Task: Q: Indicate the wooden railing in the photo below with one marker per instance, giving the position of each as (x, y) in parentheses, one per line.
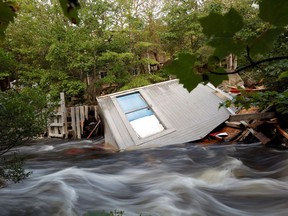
(68, 122)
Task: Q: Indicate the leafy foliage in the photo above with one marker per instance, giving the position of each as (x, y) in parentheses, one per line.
(264, 43)
(71, 88)
(263, 100)
(185, 68)
(142, 80)
(222, 26)
(274, 12)
(283, 75)
(23, 115)
(7, 14)
(223, 35)
(182, 33)
(6, 64)
(11, 168)
(70, 9)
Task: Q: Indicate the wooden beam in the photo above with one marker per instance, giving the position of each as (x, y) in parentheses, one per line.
(60, 124)
(260, 136)
(78, 125)
(82, 118)
(64, 116)
(252, 116)
(86, 111)
(73, 120)
(96, 113)
(57, 135)
(234, 124)
(281, 131)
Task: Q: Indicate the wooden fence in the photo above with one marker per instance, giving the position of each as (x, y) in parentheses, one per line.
(69, 121)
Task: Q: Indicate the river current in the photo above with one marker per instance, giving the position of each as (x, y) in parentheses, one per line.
(178, 180)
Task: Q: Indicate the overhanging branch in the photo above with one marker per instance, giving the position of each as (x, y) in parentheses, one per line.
(254, 64)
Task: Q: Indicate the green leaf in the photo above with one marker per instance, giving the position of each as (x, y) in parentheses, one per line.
(7, 15)
(183, 68)
(274, 12)
(218, 25)
(3, 75)
(221, 29)
(216, 79)
(283, 75)
(144, 44)
(264, 43)
(6, 12)
(213, 64)
(212, 60)
(70, 9)
(224, 47)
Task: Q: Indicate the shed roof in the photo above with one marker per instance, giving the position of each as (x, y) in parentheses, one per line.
(186, 116)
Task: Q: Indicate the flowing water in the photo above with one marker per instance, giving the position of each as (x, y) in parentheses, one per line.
(178, 180)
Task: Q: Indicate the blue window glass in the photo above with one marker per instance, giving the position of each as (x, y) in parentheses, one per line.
(139, 114)
(134, 106)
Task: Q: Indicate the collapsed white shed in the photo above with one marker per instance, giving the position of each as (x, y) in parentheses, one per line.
(161, 114)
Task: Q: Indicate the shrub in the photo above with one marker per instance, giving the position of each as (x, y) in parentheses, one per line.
(23, 115)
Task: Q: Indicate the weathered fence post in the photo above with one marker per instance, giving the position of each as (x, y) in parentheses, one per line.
(78, 127)
(58, 123)
(64, 115)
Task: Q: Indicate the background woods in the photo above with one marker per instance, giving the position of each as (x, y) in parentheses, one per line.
(113, 42)
(107, 45)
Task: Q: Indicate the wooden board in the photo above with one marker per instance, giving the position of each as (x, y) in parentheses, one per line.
(252, 116)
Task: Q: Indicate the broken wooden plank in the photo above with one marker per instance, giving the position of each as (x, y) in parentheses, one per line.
(78, 126)
(242, 136)
(260, 136)
(63, 110)
(73, 120)
(234, 124)
(251, 116)
(281, 131)
(55, 124)
(56, 135)
(82, 118)
(96, 126)
(255, 124)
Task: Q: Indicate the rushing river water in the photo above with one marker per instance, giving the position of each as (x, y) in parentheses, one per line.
(178, 180)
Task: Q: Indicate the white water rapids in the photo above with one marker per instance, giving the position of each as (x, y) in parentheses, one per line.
(179, 180)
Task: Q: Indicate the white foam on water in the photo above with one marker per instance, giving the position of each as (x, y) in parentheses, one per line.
(176, 185)
(46, 148)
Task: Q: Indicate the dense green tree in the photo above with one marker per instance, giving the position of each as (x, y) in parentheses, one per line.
(23, 116)
(7, 67)
(182, 33)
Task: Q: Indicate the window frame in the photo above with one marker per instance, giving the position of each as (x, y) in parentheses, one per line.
(161, 118)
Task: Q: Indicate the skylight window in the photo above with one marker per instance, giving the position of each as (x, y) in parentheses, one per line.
(140, 115)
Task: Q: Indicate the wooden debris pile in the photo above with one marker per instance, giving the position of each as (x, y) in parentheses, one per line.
(252, 126)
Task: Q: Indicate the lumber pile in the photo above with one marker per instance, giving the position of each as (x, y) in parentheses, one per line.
(264, 126)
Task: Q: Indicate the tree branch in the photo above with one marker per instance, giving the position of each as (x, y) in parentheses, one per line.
(253, 64)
